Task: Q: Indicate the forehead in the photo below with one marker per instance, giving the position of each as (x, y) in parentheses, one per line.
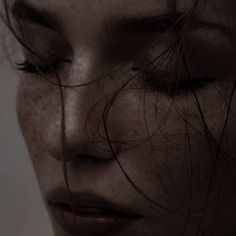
(90, 15)
(104, 8)
(95, 8)
(122, 4)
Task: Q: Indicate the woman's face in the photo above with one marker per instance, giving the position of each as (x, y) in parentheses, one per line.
(145, 151)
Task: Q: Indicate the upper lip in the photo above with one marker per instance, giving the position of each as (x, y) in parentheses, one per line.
(85, 201)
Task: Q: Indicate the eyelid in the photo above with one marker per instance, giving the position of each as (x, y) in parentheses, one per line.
(174, 85)
(41, 69)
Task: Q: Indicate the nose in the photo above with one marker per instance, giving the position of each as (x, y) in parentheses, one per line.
(81, 129)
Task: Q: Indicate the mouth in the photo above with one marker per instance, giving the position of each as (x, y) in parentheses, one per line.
(89, 214)
(92, 212)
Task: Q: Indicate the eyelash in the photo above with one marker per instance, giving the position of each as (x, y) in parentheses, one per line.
(174, 86)
(170, 88)
(41, 70)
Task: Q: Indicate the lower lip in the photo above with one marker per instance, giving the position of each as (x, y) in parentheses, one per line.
(90, 223)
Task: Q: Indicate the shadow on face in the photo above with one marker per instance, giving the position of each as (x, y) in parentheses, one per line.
(127, 109)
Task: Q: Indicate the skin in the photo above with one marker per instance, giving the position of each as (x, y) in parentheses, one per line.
(160, 141)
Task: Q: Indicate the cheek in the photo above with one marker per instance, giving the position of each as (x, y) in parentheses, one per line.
(136, 117)
(152, 116)
(38, 108)
(172, 134)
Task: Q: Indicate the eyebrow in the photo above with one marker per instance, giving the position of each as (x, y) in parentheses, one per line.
(134, 25)
(22, 10)
(138, 24)
(162, 23)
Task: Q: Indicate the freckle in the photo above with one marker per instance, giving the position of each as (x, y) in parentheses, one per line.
(135, 132)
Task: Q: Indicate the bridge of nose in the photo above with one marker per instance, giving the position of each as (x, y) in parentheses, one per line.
(85, 102)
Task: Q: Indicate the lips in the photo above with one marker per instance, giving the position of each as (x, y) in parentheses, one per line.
(89, 214)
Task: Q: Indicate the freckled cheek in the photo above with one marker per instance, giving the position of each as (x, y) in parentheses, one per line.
(137, 119)
(37, 111)
(160, 117)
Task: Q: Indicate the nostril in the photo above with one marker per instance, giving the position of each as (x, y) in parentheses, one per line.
(85, 152)
(87, 161)
(90, 158)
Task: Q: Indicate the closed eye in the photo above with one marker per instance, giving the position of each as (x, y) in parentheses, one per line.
(41, 70)
(174, 86)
